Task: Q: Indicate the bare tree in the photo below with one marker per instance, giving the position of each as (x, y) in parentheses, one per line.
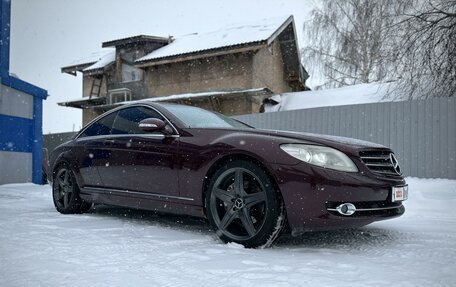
(353, 41)
(427, 66)
(412, 42)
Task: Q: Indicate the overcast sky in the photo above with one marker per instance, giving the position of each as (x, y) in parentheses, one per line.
(48, 34)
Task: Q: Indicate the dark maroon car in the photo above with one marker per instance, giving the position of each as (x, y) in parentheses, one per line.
(248, 183)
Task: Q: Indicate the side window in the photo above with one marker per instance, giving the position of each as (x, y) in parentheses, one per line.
(127, 120)
(101, 127)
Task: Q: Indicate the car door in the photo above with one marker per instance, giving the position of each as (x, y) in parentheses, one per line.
(139, 161)
(92, 150)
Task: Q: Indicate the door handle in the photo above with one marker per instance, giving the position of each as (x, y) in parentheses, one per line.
(109, 141)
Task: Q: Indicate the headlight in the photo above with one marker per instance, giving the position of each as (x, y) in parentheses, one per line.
(322, 156)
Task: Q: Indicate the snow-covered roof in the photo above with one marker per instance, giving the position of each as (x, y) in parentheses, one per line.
(86, 101)
(134, 40)
(233, 35)
(356, 94)
(246, 36)
(87, 62)
(106, 60)
(259, 91)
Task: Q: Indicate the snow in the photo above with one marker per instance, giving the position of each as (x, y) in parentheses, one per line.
(183, 96)
(350, 95)
(120, 247)
(195, 95)
(234, 34)
(104, 61)
(93, 58)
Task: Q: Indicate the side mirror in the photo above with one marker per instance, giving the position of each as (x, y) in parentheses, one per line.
(152, 125)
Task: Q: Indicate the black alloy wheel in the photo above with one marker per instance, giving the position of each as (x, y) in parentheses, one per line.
(243, 205)
(65, 192)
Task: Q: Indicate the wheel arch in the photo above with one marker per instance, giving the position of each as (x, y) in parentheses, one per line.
(65, 158)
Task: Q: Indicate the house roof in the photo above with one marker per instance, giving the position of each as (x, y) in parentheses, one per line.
(86, 102)
(251, 92)
(83, 103)
(96, 60)
(136, 39)
(104, 61)
(232, 36)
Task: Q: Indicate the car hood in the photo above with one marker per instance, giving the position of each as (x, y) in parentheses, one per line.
(329, 140)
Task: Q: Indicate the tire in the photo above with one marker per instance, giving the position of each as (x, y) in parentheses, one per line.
(65, 192)
(243, 205)
(44, 179)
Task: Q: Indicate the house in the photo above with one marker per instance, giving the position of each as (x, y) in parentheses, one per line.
(20, 117)
(231, 70)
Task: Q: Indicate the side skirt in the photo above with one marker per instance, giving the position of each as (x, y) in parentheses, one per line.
(142, 200)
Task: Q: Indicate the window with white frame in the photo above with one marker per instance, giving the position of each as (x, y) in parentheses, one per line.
(119, 95)
(131, 74)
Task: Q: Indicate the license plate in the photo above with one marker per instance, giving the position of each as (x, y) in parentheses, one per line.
(400, 193)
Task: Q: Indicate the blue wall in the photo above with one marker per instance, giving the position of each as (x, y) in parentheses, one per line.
(19, 134)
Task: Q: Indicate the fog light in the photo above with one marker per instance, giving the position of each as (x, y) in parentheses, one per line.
(346, 208)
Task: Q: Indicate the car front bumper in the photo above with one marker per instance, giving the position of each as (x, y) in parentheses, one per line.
(312, 194)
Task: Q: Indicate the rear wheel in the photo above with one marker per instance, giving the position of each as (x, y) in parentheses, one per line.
(243, 205)
(65, 192)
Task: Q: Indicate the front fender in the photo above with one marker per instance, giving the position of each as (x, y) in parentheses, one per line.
(265, 148)
(62, 155)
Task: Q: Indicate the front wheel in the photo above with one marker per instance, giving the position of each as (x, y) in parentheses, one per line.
(243, 205)
(65, 192)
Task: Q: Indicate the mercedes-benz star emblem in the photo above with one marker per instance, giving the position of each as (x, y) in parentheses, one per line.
(238, 203)
(395, 163)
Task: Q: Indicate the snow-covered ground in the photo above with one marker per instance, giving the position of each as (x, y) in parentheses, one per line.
(120, 247)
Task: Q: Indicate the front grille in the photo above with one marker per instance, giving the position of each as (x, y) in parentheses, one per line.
(381, 162)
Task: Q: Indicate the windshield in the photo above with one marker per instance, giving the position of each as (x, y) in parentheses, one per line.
(199, 118)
